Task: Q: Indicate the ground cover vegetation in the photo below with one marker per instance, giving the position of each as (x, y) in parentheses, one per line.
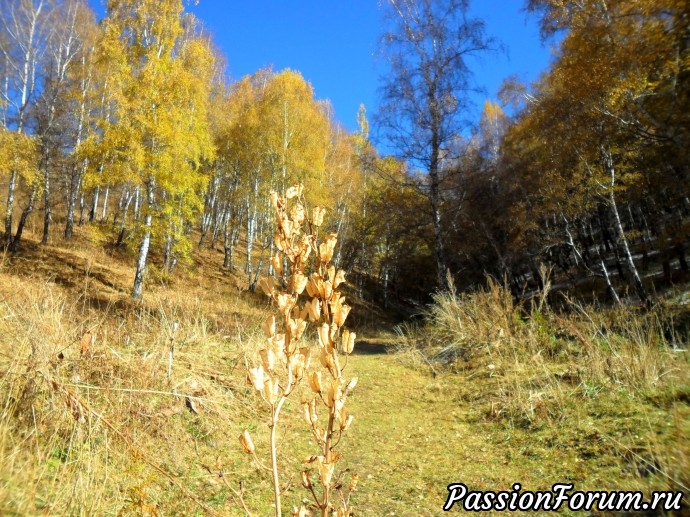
(527, 271)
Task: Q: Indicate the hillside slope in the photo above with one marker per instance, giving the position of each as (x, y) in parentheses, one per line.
(92, 424)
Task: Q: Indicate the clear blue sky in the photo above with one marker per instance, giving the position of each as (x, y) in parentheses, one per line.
(333, 44)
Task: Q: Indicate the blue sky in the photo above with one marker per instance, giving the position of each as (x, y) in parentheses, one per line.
(333, 44)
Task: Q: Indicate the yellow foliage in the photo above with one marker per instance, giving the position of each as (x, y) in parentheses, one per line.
(19, 153)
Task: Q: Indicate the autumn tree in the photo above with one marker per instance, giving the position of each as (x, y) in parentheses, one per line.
(614, 133)
(156, 132)
(81, 99)
(483, 194)
(425, 94)
(276, 134)
(70, 41)
(24, 29)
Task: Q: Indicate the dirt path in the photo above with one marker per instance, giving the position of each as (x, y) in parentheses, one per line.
(416, 433)
(411, 439)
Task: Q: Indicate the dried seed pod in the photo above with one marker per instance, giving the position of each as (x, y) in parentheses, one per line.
(297, 214)
(266, 284)
(326, 289)
(325, 470)
(271, 390)
(294, 191)
(313, 309)
(277, 344)
(341, 314)
(315, 382)
(268, 358)
(297, 328)
(326, 359)
(339, 278)
(324, 339)
(279, 241)
(317, 215)
(257, 377)
(306, 352)
(353, 482)
(344, 338)
(247, 442)
(349, 344)
(297, 365)
(306, 412)
(301, 327)
(285, 302)
(333, 332)
(351, 386)
(329, 247)
(287, 226)
(299, 282)
(270, 326)
(334, 393)
(345, 425)
(302, 512)
(304, 249)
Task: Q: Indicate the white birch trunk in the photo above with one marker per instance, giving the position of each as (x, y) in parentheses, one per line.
(138, 289)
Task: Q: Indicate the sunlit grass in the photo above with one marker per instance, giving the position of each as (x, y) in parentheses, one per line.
(536, 405)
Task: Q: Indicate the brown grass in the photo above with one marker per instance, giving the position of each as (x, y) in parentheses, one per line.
(589, 396)
(537, 370)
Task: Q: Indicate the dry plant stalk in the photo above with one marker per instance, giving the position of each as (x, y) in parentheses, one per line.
(284, 364)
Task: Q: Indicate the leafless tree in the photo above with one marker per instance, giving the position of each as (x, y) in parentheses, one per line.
(425, 102)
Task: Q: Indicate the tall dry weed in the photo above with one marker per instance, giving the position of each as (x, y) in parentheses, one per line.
(286, 360)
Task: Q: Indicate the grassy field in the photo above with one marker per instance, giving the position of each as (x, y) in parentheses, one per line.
(486, 394)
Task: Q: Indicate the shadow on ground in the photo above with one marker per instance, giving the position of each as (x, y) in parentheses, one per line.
(366, 347)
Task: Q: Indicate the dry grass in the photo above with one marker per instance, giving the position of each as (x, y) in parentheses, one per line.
(537, 371)
(592, 397)
(96, 427)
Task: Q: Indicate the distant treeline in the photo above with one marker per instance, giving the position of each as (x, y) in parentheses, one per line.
(130, 123)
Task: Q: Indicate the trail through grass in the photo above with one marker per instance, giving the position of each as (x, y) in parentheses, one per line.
(488, 422)
(417, 433)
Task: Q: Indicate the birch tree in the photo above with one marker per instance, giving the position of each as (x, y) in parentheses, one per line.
(24, 29)
(423, 112)
(158, 132)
